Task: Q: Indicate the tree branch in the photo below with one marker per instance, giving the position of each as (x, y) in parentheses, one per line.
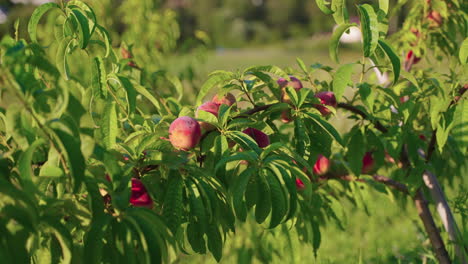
(357, 111)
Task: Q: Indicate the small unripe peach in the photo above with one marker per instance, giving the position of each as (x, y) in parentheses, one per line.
(326, 98)
(139, 195)
(322, 109)
(228, 99)
(367, 163)
(184, 133)
(295, 83)
(322, 165)
(286, 116)
(434, 18)
(299, 184)
(261, 138)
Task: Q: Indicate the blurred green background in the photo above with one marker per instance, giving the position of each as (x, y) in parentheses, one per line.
(191, 38)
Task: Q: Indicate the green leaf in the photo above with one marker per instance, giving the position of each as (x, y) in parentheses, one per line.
(326, 127)
(394, 59)
(356, 151)
(131, 93)
(107, 40)
(369, 28)
(263, 204)
(93, 242)
(63, 237)
(143, 91)
(71, 147)
(24, 166)
(196, 239)
(342, 79)
(301, 139)
(61, 57)
(173, 206)
(383, 5)
(36, 16)
(109, 125)
(340, 13)
(463, 54)
(215, 242)
(83, 27)
(215, 78)
(317, 237)
(335, 40)
(197, 208)
(244, 140)
(238, 193)
(322, 5)
(98, 78)
(179, 89)
(278, 199)
(302, 65)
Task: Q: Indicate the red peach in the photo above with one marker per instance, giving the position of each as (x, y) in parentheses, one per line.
(294, 83)
(367, 163)
(299, 184)
(435, 19)
(286, 116)
(184, 133)
(326, 98)
(261, 138)
(139, 196)
(212, 108)
(228, 99)
(322, 165)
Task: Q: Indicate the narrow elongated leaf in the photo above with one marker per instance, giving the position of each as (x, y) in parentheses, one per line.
(109, 126)
(214, 79)
(322, 5)
(197, 208)
(463, 53)
(196, 239)
(63, 237)
(326, 127)
(335, 40)
(88, 11)
(93, 243)
(143, 91)
(215, 242)
(263, 204)
(245, 141)
(340, 13)
(342, 79)
(173, 206)
(238, 193)
(25, 170)
(394, 59)
(356, 151)
(383, 5)
(83, 27)
(131, 93)
(36, 16)
(98, 78)
(61, 57)
(107, 40)
(369, 28)
(278, 199)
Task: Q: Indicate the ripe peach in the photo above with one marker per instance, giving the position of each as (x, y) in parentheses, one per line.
(212, 108)
(261, 138)
(367, 163)
(326, 98)
(184, 133)
(322, 165)
(139, 196)
(435, 19)
(286, 116)
(228, 99)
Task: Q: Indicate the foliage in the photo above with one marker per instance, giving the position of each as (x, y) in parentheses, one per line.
(82, 123)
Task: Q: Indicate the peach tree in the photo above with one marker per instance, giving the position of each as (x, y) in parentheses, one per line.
(103, 160)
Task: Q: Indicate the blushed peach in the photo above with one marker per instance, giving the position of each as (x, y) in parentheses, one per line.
(261, 138)
(184, 133)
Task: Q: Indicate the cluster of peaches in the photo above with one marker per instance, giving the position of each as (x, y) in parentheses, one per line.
(186, 132)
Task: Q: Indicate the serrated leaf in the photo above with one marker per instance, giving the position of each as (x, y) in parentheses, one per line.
(98, 78)
(36, 16)
(394, 59)
(109, 125)
(369, 28)
(173, 204)
(342, 79)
